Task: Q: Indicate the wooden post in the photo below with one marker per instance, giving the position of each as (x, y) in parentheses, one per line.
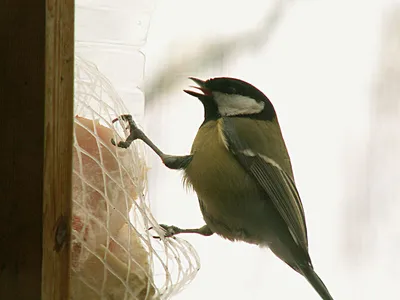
(36, 122)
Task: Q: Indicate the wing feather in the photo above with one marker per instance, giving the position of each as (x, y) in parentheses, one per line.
(277, 184)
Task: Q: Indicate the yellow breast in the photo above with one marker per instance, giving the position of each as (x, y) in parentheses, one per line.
(220, 182)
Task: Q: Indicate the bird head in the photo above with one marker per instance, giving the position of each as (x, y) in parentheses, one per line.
(231, 97)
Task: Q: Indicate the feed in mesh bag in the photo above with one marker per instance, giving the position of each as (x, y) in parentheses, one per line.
(113, 254)
(107, 254)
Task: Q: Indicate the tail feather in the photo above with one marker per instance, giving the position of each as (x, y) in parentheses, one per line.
(316, 282)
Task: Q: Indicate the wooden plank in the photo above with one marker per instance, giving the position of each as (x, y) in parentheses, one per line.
(36, 86)
(57, 200)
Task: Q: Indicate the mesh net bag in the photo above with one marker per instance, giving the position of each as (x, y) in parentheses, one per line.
(114, 256)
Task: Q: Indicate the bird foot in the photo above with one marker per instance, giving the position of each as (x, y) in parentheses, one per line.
(134, 132)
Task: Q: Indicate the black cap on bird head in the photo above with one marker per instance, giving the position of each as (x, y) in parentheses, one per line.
(231, 97)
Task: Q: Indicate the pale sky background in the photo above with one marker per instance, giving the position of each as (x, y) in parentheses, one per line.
(319, 67)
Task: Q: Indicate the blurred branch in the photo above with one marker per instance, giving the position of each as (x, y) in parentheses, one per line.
(213, 52)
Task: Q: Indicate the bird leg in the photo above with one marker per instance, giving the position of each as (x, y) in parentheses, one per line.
(171, 231)
(174, 162)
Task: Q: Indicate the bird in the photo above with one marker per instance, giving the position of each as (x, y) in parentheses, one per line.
(241, 171)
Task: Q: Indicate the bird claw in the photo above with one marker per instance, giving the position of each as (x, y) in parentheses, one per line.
(127, 118)
(134, 132)
(121, 144)
(170, 231)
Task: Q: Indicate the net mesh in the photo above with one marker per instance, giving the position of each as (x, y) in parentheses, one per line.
(114, 255)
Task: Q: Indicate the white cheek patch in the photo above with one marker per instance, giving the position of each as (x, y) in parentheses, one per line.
(232, 105)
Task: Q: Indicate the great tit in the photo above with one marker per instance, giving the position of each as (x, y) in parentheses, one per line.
(240, 169)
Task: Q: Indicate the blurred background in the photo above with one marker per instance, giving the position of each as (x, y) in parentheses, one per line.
(332, 71)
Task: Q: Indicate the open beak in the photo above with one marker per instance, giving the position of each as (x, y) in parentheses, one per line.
(205, 92)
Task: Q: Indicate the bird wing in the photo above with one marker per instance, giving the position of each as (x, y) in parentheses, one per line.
(274, 180)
